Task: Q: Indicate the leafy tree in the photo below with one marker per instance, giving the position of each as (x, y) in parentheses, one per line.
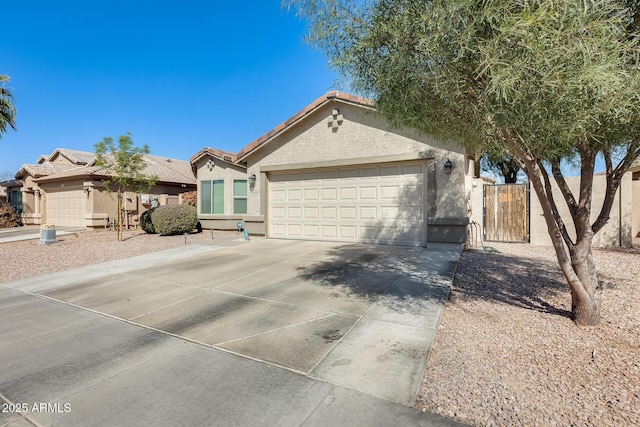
(502, 164)
(6, 175)
(7, 107)
(545, 80)
(124, 163)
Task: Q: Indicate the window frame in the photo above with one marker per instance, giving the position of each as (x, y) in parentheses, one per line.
(215, 199)
(241, 197)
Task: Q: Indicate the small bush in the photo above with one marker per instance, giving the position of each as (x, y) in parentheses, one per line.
(146, 223)
(9, 217)
(174, 219)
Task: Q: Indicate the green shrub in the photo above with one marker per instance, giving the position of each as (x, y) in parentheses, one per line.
(146, 223)
(174, 219)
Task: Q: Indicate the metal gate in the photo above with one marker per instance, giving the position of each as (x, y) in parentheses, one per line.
(506, 213)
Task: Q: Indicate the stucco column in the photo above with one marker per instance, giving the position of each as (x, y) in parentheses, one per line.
(36, 206)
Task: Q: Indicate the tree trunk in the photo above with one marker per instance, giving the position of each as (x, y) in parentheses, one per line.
(585, 303)
(511, 177)
(585, 309)
(119, 220)
(579, 268)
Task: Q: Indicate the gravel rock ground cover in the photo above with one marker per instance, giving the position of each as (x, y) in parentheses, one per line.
(507, 353)
(30, 258)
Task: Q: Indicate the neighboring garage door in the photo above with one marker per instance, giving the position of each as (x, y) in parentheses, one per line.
(382, 203)
(66, 207)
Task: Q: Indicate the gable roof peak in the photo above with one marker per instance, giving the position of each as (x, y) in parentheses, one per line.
(77, 157)
(238, 158)
(306, 111)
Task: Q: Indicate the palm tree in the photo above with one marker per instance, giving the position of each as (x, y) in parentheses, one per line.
(7, 108)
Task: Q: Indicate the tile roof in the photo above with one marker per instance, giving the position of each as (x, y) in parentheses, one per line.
(76, 156)
(167, 170)
(282, 127)
(213, 152)
(78, 171)
(46, 164)
(170, 170)
(44, 169)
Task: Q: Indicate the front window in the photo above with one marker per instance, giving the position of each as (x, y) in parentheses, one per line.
(239, 196)
(212, 200)
(16, 200)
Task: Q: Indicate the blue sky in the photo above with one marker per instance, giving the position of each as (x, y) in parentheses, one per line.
(179, 75)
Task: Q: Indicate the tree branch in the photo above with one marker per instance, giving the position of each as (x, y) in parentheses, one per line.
(554, 209)
(614, 177)
(633, 152)
(564, 187)
(582, 214)
(533, 172)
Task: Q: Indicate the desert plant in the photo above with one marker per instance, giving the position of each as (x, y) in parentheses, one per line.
(124, 165)
(174, 219)
(9, 217)
(7, 107)
(146, 222)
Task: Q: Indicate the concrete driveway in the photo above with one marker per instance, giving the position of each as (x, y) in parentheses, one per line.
(359, 319)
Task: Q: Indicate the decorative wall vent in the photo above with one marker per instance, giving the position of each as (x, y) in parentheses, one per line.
(210, 164)
(335, 120)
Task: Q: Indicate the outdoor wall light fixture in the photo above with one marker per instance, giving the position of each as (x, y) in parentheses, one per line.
(252, 179)
(37, 193)
(448, 166)
(86, 189)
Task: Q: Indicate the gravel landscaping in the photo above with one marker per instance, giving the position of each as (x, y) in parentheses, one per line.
(507, 353)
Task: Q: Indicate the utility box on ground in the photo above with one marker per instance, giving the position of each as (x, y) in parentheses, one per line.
(47, 234)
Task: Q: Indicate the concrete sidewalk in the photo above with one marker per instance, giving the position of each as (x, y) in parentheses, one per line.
(32, 232)
(113, 370)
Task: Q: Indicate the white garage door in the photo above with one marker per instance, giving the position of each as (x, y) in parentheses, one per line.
(374, 204)
(66, 207)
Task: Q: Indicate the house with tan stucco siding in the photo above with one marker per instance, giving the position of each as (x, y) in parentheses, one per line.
(337, 171)
(66, 188)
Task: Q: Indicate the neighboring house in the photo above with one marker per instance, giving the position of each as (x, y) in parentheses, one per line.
(337, 171)
(3, 190)
(66, 188)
